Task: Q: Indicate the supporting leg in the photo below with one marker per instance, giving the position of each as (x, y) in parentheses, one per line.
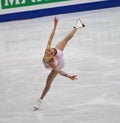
(50, 79)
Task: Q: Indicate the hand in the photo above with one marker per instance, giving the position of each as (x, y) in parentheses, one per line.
(74, 77)
(55, 21)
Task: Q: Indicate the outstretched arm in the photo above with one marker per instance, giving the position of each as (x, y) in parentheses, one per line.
(72, 77)
(52, 33)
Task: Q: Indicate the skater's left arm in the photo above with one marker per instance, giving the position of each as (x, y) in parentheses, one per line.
(72, 77)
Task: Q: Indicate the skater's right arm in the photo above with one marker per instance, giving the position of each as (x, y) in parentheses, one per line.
(52, 33)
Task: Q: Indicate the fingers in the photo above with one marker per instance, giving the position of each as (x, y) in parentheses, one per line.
(74, 77)
(55, 21)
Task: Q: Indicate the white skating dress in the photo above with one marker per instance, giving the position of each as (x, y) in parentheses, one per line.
(58, 60)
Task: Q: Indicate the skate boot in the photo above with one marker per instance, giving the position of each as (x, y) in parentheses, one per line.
(37, 104)
(79, 24)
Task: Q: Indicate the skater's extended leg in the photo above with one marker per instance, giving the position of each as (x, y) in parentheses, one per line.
(61, 45)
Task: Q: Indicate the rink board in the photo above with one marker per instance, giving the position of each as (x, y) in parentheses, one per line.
(40, 9)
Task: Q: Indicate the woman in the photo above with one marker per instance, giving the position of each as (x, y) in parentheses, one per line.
(53, 58)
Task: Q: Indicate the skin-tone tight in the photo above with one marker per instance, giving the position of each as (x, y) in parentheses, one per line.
(61, 45)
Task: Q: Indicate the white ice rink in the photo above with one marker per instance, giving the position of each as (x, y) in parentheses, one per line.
(93, 54)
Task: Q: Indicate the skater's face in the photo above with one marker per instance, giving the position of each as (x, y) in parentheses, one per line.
(50, 52)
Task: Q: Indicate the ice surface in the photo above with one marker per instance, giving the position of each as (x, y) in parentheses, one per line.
(93, 54)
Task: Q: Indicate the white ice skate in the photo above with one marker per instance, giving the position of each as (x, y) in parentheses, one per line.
(37, 104)
(79, 24)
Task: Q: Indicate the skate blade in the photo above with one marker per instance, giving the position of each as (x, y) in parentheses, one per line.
(35, 109)
(83, 24)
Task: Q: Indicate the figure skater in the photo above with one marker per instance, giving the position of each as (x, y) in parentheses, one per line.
(53, 59)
